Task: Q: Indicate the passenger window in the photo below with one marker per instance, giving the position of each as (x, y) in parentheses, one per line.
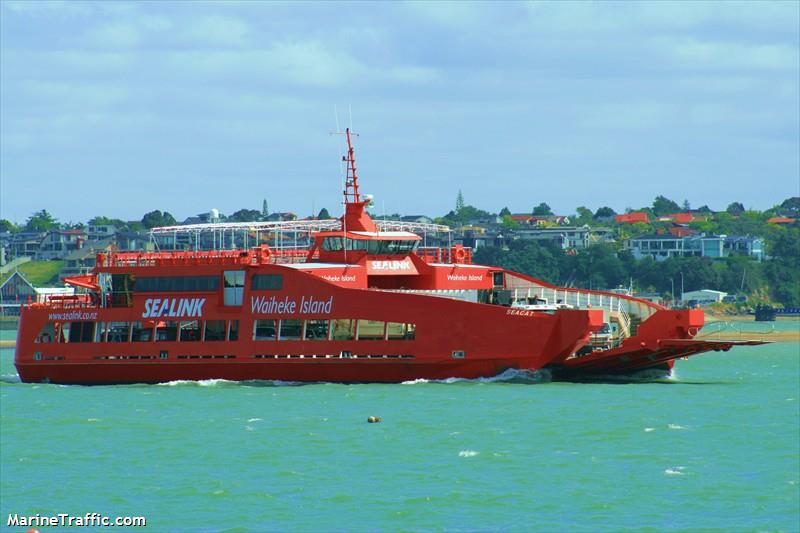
(141, 332)
(264, 330)
(399, 331)
(190, 331)
(100, 332)
(233, 331)
(117, 331)
(371, 330)
(291, 330)
(47, 334)
(344, 329)
(167, 331)
(81, 332)
(317, 330)
(215, 330)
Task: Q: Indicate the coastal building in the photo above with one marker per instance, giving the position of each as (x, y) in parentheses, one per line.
(567, 237)
(663, 246)
(81, 262)
(98, 232)
(17, 290)
(703, 296)
(632, 218)
(25, 243)
(57, 244)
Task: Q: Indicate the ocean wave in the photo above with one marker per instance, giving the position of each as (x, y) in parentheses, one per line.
(10, 378)
(467, 453)
(219, 383)
(511, 375)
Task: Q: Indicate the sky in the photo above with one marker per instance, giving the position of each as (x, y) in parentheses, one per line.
(117, 109)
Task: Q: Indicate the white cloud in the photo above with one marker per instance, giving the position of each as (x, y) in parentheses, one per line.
(116, 35)
(216, 30)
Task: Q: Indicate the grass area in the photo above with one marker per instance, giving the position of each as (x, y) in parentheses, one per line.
(39, 273)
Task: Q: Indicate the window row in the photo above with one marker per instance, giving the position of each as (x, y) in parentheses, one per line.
(335, 244)
(232, 279)
(176, 284)
(162, 331)
(342, 329)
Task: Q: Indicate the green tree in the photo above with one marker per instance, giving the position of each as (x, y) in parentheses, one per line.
(245, 215)
(735, 209)
(41, 221)
(505, 211)
(323, 214)
(508, 222)
(7, 225)
(584, 216)
(264, 209)
(604, 212)
(155, 219)
(106, 221)
(459, 202)
(686, 206)
(664, 206)
(542, 210)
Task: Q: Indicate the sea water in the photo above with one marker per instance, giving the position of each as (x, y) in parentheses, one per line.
(715, 448)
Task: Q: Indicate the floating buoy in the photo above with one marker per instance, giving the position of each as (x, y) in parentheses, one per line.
(373, 419)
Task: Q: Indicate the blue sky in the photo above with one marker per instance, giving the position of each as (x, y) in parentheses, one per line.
(117, 108)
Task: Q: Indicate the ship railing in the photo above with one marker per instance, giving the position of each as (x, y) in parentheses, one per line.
(456, 254)
(585, 299)
(70, 301)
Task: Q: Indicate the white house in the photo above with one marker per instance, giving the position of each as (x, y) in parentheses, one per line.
(704, 296)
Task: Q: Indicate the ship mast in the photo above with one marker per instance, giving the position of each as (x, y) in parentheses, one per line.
(351, 195)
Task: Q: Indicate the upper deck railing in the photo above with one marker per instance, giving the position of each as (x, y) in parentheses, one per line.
(262, 255)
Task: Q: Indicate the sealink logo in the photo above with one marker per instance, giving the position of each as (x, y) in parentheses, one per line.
(391, 265)
(173, 307)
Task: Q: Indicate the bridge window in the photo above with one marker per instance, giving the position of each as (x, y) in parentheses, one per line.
(267, 282)
(371, 330)
(317, 330)
(332, 244)
(234, 287)
(177, 284)
(264, 330)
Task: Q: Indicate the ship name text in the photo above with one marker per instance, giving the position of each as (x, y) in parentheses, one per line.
(288, 306)
(342, 278)
(173, 307)
(465, 277)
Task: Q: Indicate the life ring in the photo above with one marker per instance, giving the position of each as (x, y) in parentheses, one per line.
(264, 254)
(460, 254)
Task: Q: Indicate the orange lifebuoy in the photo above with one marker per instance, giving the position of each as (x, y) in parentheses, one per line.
(460, 254)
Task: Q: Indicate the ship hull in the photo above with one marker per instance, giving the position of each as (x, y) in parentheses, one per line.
(334, 371)
(444, 337)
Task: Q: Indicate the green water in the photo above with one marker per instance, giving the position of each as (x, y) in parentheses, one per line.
(715, 449)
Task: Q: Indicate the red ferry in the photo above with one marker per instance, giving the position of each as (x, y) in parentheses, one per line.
(363, 303)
